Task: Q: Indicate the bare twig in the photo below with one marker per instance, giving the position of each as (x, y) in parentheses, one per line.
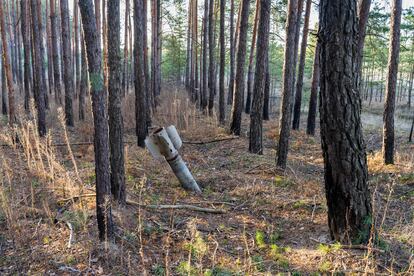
(76, 197)
(179, 206)
(211, 141)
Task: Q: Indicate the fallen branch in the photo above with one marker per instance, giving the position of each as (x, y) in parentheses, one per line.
(210, 141)
(70, 234)
(351, 246)
(76, 197)
(69, 269)
(180, 206)
(131, 142)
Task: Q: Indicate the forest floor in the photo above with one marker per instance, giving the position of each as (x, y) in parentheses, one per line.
(273, 221)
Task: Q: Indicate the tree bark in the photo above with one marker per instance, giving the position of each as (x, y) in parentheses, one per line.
(205, 49)
(39, 85)
(251, 57)
(302, 59)
(155, 85)
(159, 52)
(116, 125)
(237, 107)
(105, 43)
(189, 45)
(296, 52)
(313, 101)
(363, 14)
(84, 88)
(101, 140)
(266, 100)
(288, 84)
(55, 52)
(67, 59)
(98, 18)
(232, 55)
(26, 51)
(410, 86)
(125, 73)
(149, 97)
(42, 52)
(76, 49)
(256, 116)
(346, 173)
(19, 46)
(9, 16)
(222, 111)
(49, 51)
(393, 59)
(194, 49)
(140, 93)
(211, 46)
(4, 109)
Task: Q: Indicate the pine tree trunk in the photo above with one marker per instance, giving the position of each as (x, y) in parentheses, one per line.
(9, 25)
(205, 49)
(84, 88)
(189, 52)
(98, 18)
(116, 125)
(222, 111)
(159, 52)
(302, 59)
(256, 115)
(126, 52)
(19, 47)
(101, 140)
(67, 59)
(76, 48)
(266, 100)
(238, 96)
(15, 35)
(346, 173)
(26, 51)
(131, 70)
(49, 52)
(211, 46)
(55, 52)
(140, 93)
(200, 93)
(148, 93)
(4, 109)
(288, 84)
(192, 67)
(391, 86)
(194, 49)
(251, 57)
(363, 14)
(105, 43)
(410, 86)
(296, 52)
(232, 55)
(42, 52)
(155, 86)
(39, 85)
(313, 101)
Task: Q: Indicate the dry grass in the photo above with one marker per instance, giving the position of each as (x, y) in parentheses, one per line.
(272, 219)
